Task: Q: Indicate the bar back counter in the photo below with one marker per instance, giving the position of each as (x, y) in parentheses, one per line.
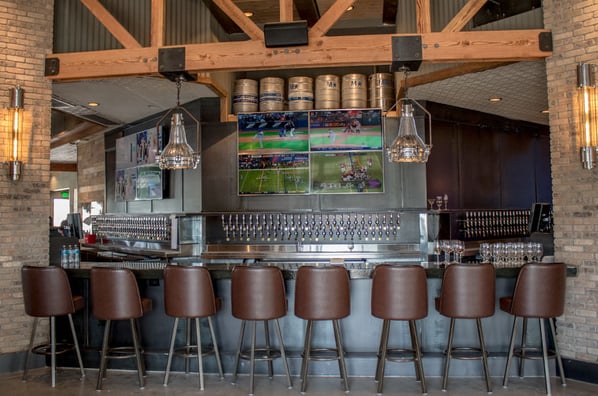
(361, 331)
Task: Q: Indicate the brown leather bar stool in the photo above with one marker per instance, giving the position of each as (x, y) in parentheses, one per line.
(399, 292)
(322, 293)
(47, 293)
(539, 293)
(189, 294)
(115, 296)
(258, 294)
(467, 292)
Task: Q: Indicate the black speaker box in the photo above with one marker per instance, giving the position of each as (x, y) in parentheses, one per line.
(285, 34)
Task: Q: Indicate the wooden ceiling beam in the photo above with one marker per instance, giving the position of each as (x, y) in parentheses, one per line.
(464, 15)
(334, 51)
(443, 74)
(308, 10)
(244, 22)
(330, 17)
(286, 10)
(78, 132)
(114, 27)
(424, 18)
(158, 25)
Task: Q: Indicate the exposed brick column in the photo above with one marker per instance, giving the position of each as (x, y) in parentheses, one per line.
(575, 191)
(25, 39)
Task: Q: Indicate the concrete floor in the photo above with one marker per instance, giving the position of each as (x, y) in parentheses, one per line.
(125, 383)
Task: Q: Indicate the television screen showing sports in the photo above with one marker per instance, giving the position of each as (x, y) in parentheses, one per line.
(310, 152)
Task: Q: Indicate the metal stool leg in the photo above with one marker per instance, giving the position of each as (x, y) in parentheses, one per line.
(216, 350)
(187, 343)
(53, 349)
(199, 354)
(523, 345)
(382, 355)
(103, 362)
(419, 367)
(283, 354)
(505, 378)
(136, 346)
(252, 358)
(170, 351)
(545, 357)
(557, 352)
(76, 342)
(238, 354)
(449, 351)
(29, 350)
(484, 354)
(341, 353)
(268, 350)
(306, 355)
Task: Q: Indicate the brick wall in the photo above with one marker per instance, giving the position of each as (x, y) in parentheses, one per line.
(26, 38)
(575, 190)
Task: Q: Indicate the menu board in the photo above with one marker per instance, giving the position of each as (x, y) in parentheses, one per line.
(310, 152)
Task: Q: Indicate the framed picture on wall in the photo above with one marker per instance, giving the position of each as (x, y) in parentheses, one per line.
(149, 182)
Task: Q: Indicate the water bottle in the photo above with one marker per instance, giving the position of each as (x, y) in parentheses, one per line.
(71, 256)
(64, 257)
(77, 257)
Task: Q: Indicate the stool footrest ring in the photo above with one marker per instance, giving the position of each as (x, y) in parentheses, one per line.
(46, 349)
(261, 354)
(532, 353)
(323, 354)
(401, 355)
(467, 353)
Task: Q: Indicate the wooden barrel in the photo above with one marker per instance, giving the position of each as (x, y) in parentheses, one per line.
(245, 96)
(354, 91)
(381, 90)
(327, 92)
(301, 93)
(271, 94)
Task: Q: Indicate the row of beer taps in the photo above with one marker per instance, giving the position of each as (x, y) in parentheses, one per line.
(310, 227)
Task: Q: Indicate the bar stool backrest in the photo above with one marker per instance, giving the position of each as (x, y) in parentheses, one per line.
(399, 292)
(322, 293)
(115, 294)
(188, 292)
(540, 290)
(258, 293)
(468, 291)
(46, 291)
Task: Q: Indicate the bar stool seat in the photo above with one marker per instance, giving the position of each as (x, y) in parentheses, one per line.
(189, 294)
(539, 293)
(258, 294)
(467, 292)
(399, 292)
(322, 293)
(47, 293)
(115, 296)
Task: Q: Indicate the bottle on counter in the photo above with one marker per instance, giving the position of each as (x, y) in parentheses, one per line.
(64, 256)
(76, 256)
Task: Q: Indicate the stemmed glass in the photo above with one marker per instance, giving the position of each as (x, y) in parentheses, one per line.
(431, 202)
(538, 252)
(485, 252)
(447, 248)
(498, 251)
(437, 252)
(458, 247)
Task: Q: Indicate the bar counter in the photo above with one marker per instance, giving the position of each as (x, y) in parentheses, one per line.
(361, 331)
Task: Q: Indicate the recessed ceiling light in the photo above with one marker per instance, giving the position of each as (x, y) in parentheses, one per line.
(350, 8)
(248, 14)
(494, 100)
(546, 111)
(93, 104)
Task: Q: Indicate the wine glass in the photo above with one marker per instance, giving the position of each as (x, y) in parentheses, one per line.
(431, 202)
(458, 248)
(498, 251)
(447, 248)
(538, 252)
(485, 252)
(437, 252)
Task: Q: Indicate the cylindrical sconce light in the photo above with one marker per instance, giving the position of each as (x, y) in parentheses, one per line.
(587, 114)
(16, 109)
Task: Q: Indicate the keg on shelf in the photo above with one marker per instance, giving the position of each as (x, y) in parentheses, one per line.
(301, 94)
(327, 92)
(381, 90)
(354, 91)
(271, 94)
(245, 96)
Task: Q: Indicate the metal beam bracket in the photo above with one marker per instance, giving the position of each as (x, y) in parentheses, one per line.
(52, 67)
(406, 53)
(171, 64)
(545, 41)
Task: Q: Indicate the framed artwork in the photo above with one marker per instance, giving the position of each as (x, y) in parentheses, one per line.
(149, 182)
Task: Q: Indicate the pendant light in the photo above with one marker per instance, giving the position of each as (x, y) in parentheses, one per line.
(408, 146)
(178, 154)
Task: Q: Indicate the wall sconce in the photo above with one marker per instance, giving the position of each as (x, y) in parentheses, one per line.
(178, 154)
(587, 114)
(15, 108)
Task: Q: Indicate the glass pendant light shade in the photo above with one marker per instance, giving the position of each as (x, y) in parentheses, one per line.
(408, 146)
(178, 154)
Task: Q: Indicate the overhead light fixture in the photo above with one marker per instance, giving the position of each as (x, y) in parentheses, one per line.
(248, 14)
(178, 154)
(15, 108)
(587, 112)
(495, 100)
(93, 104)
(408, 146)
